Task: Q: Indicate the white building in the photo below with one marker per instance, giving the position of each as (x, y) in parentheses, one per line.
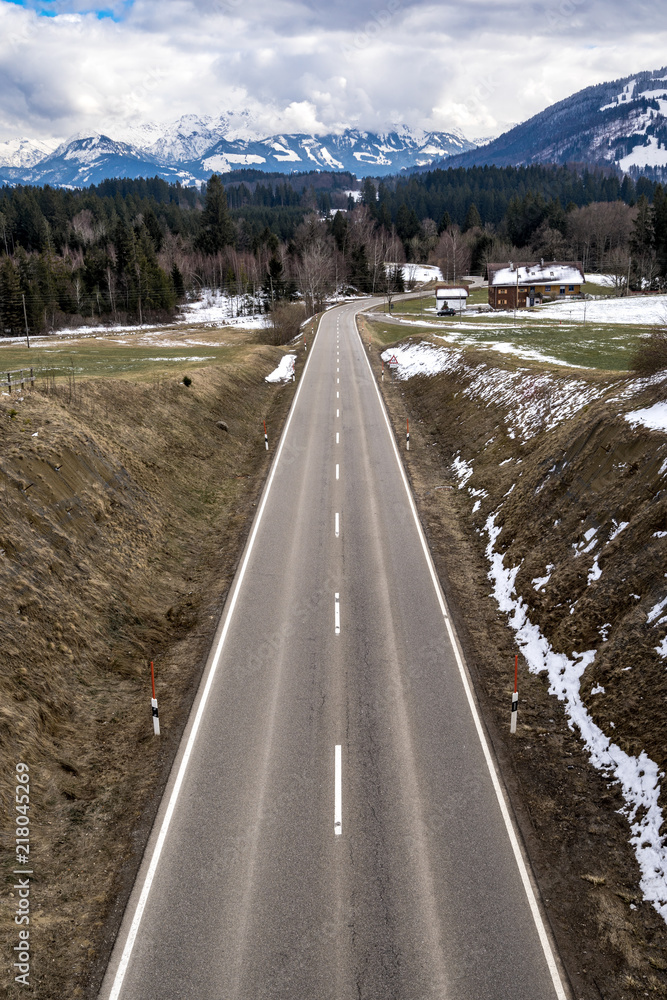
(451, 297)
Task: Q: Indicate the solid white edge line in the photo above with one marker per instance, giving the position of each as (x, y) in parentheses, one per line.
(338, 791)
(509, 826)
(164, 829)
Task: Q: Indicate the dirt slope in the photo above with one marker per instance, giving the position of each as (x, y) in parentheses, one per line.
(123, 512)
(571, 468)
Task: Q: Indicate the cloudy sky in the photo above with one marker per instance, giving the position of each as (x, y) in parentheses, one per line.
(303, 65)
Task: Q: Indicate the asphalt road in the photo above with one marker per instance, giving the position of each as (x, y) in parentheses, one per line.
(281, 866)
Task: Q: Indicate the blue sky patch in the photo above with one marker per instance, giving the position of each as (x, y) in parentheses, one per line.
(51, 8)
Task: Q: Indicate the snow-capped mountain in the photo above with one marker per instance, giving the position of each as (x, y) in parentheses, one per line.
(193, 148)
(22, 153)
(623, 123)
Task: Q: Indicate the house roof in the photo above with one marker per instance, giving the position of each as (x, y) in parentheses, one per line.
(556, 272)
(454, 291)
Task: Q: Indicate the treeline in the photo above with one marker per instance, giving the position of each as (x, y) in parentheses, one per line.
(130, 250)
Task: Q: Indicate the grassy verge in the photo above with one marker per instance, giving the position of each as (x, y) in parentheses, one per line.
(124, 510)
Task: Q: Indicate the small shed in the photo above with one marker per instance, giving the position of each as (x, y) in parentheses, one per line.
(451, 297)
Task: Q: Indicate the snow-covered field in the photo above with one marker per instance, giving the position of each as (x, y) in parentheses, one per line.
(213, 307)
(640, 309)
(418, 272)
(606, 280)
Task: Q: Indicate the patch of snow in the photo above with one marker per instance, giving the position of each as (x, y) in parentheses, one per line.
(604, 631)
(656, 610)
(594, 572)
(654, 417)
(284, 371)
(618, 528)
(598, 689)
(588, 544)
(660, 534)
(462, 469)
(661, 648)
(540, 582)
(639, 777)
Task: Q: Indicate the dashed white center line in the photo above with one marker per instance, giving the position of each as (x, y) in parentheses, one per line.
(337, 395)
(338, 413)
(337, 524)
(337, 380)
(338, 791)
(337, 472)
(337, 437)
(337, 614)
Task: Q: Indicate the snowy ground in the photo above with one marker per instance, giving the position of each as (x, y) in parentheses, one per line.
(419, 273)
(285, 370)
(215, 308)
(606, 280)
(640, 309)
(534, 401)
(638, 777)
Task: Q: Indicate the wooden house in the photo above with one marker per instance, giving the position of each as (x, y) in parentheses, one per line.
(523, 285)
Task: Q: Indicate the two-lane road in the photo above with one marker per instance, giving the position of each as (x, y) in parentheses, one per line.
(333, 827)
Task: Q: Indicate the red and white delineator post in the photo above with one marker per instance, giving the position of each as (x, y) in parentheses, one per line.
(156, 718)
(407, 436)
(266, 436)
(515, 696)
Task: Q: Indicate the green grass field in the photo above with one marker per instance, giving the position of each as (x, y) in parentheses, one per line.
(607, 347)
(170, 352)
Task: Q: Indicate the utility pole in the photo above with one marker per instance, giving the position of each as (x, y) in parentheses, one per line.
(25, 316)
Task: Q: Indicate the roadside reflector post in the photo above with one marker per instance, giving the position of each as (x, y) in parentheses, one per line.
(266, 436)
(515, 695)
(156, 718)
(407, 436)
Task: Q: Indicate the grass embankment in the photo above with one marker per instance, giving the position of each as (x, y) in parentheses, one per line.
(124, 510)
(606, 347)
(590, 470)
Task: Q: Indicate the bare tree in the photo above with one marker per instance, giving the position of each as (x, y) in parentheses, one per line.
(452, 254)
(316, 274)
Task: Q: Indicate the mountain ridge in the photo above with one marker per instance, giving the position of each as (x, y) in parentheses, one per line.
(621, 123)
(193, 147)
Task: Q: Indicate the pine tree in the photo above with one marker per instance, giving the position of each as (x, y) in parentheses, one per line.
(642, 245)
(177, 282)
(217, 228)
(473, 219)
(11, 304)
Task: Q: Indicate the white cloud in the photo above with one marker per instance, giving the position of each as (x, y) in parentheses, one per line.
(301, 65)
